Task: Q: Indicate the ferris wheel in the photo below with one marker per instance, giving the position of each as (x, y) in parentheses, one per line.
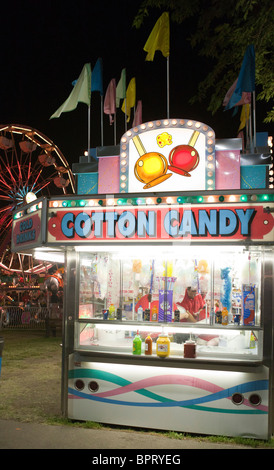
(31, 166)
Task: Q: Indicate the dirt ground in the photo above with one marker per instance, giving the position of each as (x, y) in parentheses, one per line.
(30, 382)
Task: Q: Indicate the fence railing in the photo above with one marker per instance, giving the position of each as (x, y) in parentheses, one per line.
(19, 317)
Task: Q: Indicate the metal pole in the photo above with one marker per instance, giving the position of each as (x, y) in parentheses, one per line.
(70, 306)
(251, 143)
(88, 130)
(125, 114)
(102, 127)
(167, 63)
(246, 130)
(115, 129)
(254, 120)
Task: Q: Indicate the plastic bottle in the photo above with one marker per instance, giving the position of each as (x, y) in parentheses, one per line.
(147, 314)
(154, 313)
(111, 312)
(148, 346)
(224, 316)
(211, 316)
(163, 345)
(119, 314)
(140, 314)
(218, 317)
(252, 344)
(177, 315)
(137, 345)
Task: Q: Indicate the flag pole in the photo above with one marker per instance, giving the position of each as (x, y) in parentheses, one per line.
(254, 120)
(246, 129)
(251, 142)
(102, 127)
(125, 114)
(115, 129)
(88, 132)
(167, 62)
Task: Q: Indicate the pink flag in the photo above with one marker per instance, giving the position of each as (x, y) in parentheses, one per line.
(110, 100)
(138, 115)
(245, 99)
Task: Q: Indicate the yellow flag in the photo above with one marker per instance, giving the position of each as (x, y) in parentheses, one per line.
(130, 97)
(158, 39)
(244, 116)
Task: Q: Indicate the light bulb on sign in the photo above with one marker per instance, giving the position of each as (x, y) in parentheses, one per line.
(30, 197)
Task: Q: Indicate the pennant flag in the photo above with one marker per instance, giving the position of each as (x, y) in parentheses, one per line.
(97, 77)
(121, 88)
(244, 116)
(110, 100)
(245, 81)
(245, 99)
(138, 115)
(130, 97)
(158, 39)
(80, 94)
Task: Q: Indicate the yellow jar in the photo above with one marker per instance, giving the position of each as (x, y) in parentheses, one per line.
(163, 346)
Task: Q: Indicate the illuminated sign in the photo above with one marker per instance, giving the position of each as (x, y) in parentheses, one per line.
(167, 155)
(26, 231)
(180, 223)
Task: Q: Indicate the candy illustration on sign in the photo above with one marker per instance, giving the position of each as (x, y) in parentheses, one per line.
(159, 153)
(164, 139)
(151, 167)
(184, 158)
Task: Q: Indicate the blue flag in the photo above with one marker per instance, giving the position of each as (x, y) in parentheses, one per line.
(97, 77)
(246, 78)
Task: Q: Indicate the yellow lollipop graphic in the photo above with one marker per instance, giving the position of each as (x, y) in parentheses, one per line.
(151, 167)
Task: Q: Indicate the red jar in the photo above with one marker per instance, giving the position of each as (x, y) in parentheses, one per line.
(190, 349)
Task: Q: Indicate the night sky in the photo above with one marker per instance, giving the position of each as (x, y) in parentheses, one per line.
(46, 44)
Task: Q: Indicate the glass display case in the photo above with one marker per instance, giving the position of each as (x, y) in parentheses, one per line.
(175, 302)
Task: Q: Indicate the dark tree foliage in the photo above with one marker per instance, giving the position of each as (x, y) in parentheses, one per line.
(222, 29)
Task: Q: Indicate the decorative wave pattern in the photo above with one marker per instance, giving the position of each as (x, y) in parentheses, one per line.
(140, 387)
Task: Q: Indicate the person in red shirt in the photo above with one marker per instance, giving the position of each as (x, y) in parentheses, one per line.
(194, 305)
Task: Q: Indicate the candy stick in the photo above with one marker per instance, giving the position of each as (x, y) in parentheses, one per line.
(193, 138)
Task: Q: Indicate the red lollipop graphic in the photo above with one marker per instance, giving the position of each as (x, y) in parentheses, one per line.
(184, 158)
